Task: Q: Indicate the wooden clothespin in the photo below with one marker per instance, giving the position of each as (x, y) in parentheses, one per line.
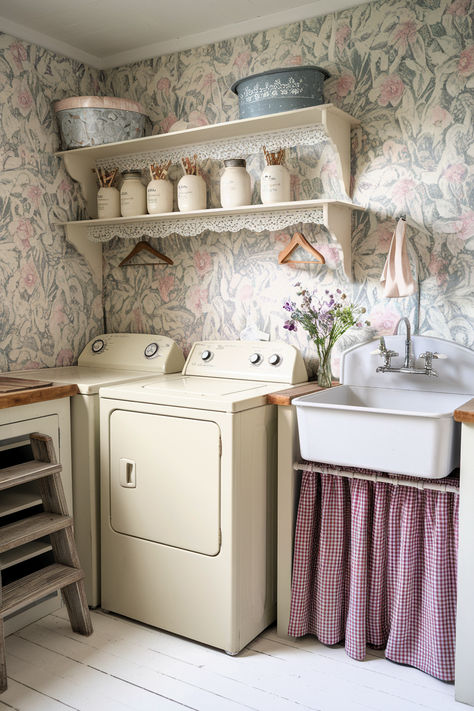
(299, 240)
(140, 247)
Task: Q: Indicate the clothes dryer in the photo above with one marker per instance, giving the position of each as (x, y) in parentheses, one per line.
(188, 493)
(107, 359)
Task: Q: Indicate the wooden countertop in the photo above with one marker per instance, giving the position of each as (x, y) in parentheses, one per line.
(284, 397)
(465, 413)
(27, 397)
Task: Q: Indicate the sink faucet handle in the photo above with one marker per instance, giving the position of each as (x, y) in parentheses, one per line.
(428, 357)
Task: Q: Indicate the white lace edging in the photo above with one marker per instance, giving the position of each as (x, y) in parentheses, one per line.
(192, 226)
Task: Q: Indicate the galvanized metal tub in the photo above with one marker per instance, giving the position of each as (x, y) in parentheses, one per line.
(281, 89)
(93, 120)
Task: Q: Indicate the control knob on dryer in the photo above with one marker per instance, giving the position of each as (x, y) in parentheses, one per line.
(274, 359)
(255, 358)
(206, 355)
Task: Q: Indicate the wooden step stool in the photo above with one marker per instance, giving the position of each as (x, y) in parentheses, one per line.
(65, 573)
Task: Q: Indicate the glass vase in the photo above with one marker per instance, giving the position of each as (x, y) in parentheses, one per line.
(324, 370)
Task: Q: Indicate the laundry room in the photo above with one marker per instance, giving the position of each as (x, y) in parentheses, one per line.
(236, 354)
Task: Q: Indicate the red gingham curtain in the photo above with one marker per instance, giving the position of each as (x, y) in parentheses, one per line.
(375, 564)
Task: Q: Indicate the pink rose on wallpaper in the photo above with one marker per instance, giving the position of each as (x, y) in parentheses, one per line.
(281, 239)
(167, 122)
(58, 316)
(29, 277)
(395, 152)
(24, 101)
(383, 320)
(209, 80)
(405, 33)
(64, 357)
(466, 61)
(440, 117)
(65, 186)
(466, 225)
(330, 253)
(455, 173)
(344, 85)
(164, 85)
(391, 90)
(242, 59)
(165, 286)
(23, 231)
(35, 193)
(438, 268)
(18, 53)
(403, 192)
(330, 168)
(202, 262)
(294, 60)
(197, 299)
(198, 118)
(459, 8)
(295, 186)
(137, 320)
(383, 234)
(342, 34)
(245, 291)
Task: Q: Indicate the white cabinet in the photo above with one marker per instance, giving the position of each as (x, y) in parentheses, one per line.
(307, 126)
(16, 424)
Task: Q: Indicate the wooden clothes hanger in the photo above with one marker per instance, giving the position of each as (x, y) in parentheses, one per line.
(299, 240)
(140, 247)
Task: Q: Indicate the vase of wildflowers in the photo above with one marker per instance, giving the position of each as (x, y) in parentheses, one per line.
(325, 319)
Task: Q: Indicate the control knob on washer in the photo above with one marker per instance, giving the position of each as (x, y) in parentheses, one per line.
(255, 358)
(98, 345)
(151, 350)
(274, 359)
(205, 355)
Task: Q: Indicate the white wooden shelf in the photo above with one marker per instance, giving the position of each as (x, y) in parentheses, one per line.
(300, 127)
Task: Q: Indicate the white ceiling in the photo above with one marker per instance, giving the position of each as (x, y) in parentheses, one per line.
(109, 33)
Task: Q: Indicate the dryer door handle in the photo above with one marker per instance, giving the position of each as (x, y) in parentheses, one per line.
(128, 470)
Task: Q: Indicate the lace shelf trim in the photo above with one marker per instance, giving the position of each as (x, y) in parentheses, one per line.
(192, 226)
(221, 149)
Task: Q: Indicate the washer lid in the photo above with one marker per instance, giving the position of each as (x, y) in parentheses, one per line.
(88, 380)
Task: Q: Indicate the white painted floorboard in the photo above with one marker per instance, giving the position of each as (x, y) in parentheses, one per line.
(126, 665)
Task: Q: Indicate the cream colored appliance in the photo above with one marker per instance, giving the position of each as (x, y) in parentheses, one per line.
(188, 493)
(107, 359)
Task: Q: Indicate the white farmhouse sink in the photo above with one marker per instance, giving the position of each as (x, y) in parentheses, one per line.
(397, 423)
(398, 431)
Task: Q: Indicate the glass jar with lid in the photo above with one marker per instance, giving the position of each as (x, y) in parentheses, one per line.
(132, 194)
(236, 189)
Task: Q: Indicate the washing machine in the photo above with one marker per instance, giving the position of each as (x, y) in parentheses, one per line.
(188, 493)
(108, 358)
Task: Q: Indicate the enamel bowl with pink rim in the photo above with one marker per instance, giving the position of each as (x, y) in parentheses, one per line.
(94, 120)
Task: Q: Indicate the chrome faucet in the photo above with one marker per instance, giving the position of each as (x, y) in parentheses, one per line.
(409, 361)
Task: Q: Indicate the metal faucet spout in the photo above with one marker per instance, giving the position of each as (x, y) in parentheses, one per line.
(409, 360)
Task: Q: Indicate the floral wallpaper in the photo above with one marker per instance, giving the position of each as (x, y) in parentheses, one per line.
(49, 304)
(405, 69)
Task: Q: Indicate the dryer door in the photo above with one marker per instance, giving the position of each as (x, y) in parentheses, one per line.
(165, 480)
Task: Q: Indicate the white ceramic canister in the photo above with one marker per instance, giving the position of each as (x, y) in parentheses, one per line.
(192, 193)
(275, 184)
(108, 203)
(236, 189)
(159, 196)
(132, 194)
